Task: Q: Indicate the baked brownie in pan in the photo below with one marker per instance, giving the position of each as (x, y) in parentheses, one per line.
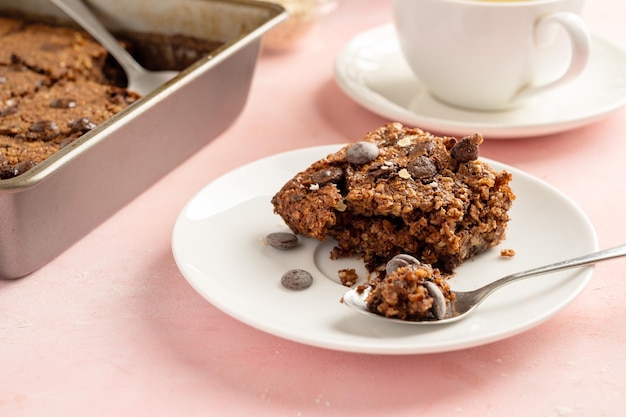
(53, 204)
(53, 89)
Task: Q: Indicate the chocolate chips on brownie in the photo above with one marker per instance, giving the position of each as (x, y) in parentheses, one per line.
(416, 193)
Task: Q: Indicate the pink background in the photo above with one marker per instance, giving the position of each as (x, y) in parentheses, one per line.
(111, 328)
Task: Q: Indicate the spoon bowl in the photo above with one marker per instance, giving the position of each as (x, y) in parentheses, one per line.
(140, 79)
(465, 302)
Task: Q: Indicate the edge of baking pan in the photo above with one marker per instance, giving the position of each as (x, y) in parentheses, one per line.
(75, 200)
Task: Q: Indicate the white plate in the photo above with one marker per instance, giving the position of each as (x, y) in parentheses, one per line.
(371, 70)
(218, 245)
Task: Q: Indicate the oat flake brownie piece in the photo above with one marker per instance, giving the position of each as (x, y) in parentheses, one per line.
(401, 190)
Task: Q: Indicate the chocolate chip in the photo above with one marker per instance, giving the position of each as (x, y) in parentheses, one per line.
(296, 279)
(7, 111)
(81, 125)
(63, 103)
(282, 240)
(21, 168)
(327, 175)
(122, 98)
(422, 147)
(439, 301)
(382, 170)
(44, 126)
(381, 173)
(361, 153)
(5, 173)
(467, 149)
(399, 261)
(421, 168)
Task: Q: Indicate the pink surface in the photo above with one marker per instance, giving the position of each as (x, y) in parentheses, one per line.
(111, 328)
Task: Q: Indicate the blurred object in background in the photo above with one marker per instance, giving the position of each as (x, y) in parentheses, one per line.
(303, 14)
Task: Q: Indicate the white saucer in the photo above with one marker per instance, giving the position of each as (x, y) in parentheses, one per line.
(371, 70)
(218, 244)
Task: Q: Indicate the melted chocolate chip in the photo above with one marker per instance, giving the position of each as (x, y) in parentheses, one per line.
(81, 125)
(63, 103)
(44, 126)
(122, 98)
(381, 173)
(467, 149)
(422, 147)
(5, 173)
(327, 175)
(421, 168)
(383, 170)
(20, 168)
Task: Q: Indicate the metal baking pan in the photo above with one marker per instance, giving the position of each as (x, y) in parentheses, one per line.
(50, 207)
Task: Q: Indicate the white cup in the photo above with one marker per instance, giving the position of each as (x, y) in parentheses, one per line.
(492, 54)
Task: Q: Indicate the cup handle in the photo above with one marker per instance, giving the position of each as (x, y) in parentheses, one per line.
(581, 50)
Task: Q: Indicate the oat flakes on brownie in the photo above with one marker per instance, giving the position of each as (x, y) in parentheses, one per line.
(401, 190)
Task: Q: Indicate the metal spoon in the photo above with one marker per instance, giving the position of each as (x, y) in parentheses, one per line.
(140, 79)
(466, 302)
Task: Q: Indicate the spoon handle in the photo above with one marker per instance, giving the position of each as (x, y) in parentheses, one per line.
(591, 258)
(79, 11)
